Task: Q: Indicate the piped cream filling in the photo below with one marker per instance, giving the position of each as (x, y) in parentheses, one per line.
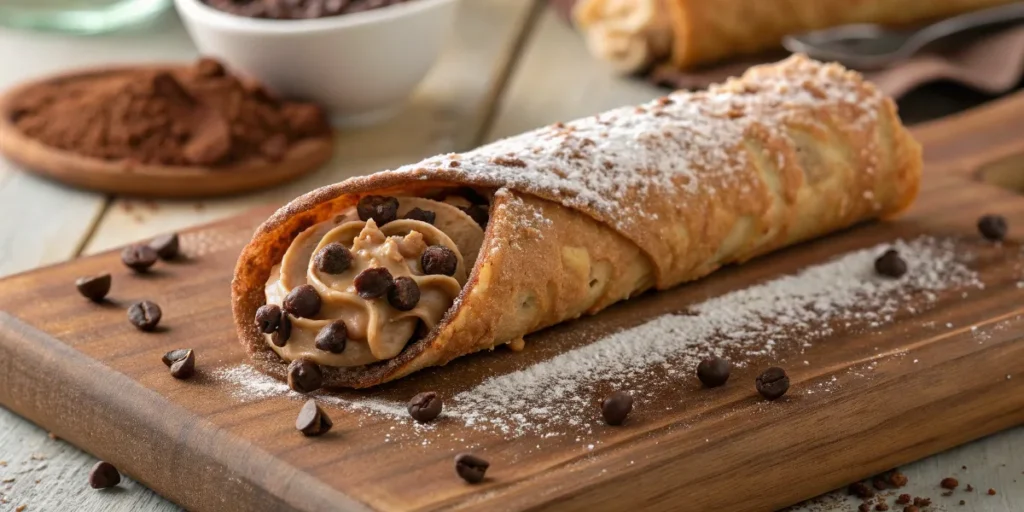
(376, 330)
(629, 34)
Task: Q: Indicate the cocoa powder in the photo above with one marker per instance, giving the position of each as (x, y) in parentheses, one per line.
(197, 115)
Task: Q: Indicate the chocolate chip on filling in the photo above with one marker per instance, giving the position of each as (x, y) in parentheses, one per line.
(380, 281)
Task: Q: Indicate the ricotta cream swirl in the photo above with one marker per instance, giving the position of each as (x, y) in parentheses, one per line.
(376, 330)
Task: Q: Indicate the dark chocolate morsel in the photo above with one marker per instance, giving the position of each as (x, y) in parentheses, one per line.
(304, 376)
(405, 294)
(333, 258)
(382, 209)
(332, 338)
(373, 283)
(303, 301)
(438, 259)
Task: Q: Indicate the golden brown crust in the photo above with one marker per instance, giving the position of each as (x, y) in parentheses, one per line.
(594, 211)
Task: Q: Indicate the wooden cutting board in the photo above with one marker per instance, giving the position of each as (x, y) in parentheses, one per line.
(953, 373)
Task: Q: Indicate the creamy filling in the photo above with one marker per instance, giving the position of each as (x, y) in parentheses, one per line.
(629, 34)
(376, 330)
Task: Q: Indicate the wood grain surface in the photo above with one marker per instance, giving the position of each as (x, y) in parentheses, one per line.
(82, 371)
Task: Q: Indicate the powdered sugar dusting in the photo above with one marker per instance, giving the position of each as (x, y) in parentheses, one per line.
(555, 397)
(618, 161)
(753, 321)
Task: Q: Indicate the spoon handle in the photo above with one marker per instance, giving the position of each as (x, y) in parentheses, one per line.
(956, 24)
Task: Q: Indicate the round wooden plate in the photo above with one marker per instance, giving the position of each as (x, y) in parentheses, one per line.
(157, 181)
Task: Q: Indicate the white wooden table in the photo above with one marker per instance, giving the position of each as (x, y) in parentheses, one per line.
(510, 67)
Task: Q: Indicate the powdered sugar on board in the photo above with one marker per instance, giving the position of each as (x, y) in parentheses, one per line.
(556, 397)
(619, 162)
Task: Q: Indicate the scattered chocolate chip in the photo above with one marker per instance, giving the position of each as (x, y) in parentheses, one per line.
(991, 492)
(144, 315)
(303, 301)
(174, 356)
(969, 488)
(903, 499)
(911, 508)
(864, 507)
(104, 476)
(897, 479)
(421, 215)
(890, 264)
(184, 367)
(882, 506)
(268, 318)
(166, 246)
(381, 209)
(138, 257)
(878, 483)
(922, 502)
(304, 376)
(334, 258)
(992, 227)
(312, 420)
(332, 337)
(373, 283)
(615, 407)
(471, 468)
(713, 371)
(94, 288)
(479, 214)
(962, 502)
(283, 332)
(949, 483)
(405, 294)
(860, 490)
(425, 406)
(438, 259)
(773, 383)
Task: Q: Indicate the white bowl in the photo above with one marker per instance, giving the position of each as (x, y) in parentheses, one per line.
(360, 66)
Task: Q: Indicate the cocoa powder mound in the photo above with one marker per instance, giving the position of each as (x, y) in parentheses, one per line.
(199, 115)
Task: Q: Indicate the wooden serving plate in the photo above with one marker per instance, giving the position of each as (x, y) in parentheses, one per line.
(156, 181)
(945, 376)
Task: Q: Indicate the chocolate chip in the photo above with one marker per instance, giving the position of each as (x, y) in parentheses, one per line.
(144, 315)
(949, 483)
(713, 371)
(969, 488)
(616, 407)
(381, 209)
(166, 246)
(138, 257)
(174, 356)
(890, 264)
(283, 332)
(421, 215)
(879, 483)
(864, 507)
(94, 288)
(332, 337)
(911, 508)
(478, 213)
(184, 367)
(897, 479)
(373, 283)
(405, 294)
(426, 406)
(991, 492)
(268, 318)
(334, 258)
(303, 301)
(922, 502)
(104, 476)
(860, 490)
(304, 376)
(992, 227)
(312, 420)
(903, 499)
(471, 468)
(438, 259)
(773, 383)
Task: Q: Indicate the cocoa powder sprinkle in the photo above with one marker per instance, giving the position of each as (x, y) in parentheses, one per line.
(195, 115)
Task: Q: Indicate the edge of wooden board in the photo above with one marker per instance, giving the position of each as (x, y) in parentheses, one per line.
(208, 479)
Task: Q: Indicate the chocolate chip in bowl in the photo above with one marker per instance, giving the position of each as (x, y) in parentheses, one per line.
(263, 38)
(170, 131)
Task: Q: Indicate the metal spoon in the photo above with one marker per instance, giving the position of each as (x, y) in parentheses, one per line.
(870, 46)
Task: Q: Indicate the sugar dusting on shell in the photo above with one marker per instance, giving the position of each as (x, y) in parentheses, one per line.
(675, 142)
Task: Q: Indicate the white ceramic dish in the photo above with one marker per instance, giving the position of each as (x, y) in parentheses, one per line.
(360, 66)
